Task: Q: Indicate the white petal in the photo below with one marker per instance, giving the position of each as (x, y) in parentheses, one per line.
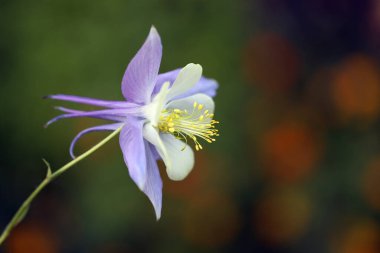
(177, 156)
(188, 102)
(180, 157)
(186, 79)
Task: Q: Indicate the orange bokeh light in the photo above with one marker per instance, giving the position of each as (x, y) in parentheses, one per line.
(361, 237)
(355, 88)
(290, 151)
(371, 185)
(32, 237)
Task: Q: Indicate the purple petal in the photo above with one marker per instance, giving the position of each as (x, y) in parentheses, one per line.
(110, 114)
(140, 77)
(165, 77)
(109, 127)
(92, 101)
(133, 147)
(153, 184)
(103, 114)
(205, 85)
(67, 110)
(156, 155)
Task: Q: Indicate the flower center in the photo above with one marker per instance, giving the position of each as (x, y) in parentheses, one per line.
(183, 124)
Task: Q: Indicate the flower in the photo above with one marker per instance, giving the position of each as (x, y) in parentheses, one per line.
(161, 115)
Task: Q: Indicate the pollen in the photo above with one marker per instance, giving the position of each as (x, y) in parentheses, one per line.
(196, 125)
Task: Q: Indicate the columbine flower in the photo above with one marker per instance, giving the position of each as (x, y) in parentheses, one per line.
(162, 114)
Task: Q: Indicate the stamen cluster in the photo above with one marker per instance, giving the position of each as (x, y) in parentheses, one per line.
(183, 125)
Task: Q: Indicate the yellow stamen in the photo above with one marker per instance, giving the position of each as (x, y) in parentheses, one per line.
(194, 125)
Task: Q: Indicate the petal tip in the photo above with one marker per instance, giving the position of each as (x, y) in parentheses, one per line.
(153, 30)
(191, 64)
(177, 177)
(157, 210)
(49, 122)
(195, 68)
(153, 34)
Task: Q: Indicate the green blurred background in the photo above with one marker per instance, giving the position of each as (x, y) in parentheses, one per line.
(296, 167)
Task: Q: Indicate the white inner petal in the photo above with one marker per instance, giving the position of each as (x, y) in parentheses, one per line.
(177, 156)
(188, 102)
(186, 79)
(180, 157)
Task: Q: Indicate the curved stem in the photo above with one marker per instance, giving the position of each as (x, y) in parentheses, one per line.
(49, 178)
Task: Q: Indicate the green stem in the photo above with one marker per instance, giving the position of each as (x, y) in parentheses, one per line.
(49, 178)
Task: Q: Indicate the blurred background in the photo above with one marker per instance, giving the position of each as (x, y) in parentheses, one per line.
(296, 167)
